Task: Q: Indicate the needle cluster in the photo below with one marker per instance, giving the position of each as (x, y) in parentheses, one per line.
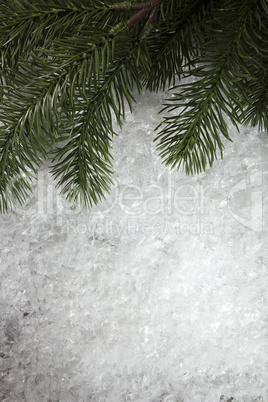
(68, 66)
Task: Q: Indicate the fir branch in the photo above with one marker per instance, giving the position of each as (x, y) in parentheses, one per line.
(84, 164)
(84, 82)
(31, 111)
(67, 66)
(38, 25)
(192, 137)
(255, 52)
(175, 44)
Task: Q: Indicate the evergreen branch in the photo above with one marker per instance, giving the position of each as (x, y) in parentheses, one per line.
(37, 26)
(18, 162)
(84, 164)
(255, 52)
(31, 112)
(77, 74)
(255, 96)
(16, 189)
(192, 136)
(67, 67)
(173, 45)
(81, 74)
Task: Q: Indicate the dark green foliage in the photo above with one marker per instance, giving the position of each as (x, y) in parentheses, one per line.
(68, 65)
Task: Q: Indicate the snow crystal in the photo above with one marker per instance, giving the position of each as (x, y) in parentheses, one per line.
(159, 293)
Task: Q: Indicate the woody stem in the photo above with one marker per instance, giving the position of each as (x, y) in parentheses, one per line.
(150, 7)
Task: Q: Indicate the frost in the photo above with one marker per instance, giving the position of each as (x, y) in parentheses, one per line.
(158, 293)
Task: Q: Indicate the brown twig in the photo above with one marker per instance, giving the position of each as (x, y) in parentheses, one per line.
(150, 7)
(138, 17)
(153, 13)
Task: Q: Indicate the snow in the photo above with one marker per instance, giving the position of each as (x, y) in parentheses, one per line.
(158, 293)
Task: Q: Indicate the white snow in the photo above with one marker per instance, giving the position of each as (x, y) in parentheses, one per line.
(158, 293)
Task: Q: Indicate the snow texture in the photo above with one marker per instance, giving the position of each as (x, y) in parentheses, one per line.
(157, 294)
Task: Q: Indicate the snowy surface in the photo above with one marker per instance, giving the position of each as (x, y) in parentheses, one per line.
(158, 293)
